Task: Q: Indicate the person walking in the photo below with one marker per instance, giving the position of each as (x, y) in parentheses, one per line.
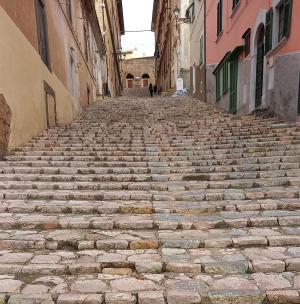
(151, 89)
(155, 89)
(159, 90)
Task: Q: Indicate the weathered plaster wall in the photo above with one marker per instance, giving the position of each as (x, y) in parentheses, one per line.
(286, 83)
(21, 83)
(24, 17)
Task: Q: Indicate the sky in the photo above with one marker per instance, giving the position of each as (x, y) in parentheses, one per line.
(137, 16)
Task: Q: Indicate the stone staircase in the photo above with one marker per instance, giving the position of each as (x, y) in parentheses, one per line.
(136, 92)
(152, 202)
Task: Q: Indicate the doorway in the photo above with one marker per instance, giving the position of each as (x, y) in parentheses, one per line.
(260, 67)
(145, 79)
(130, 80)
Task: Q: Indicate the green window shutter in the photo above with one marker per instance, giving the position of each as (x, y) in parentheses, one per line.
(298, 106)
(218, 85)
(225, 77)
(269, 30)
(288, 4)
(201, 50)
(219, 17)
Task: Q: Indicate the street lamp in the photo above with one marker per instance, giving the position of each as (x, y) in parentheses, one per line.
(176, 13)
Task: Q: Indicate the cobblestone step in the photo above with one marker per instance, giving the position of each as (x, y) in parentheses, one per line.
(114, 288)
(146, 207)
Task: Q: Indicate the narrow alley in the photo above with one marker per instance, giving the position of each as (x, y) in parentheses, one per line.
(147, 201)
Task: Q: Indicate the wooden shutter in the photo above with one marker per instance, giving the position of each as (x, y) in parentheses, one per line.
(269, 30)
(287, 17)
(42, 31)
(69, 9)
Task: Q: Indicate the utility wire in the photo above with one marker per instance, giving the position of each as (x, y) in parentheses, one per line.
(138, 31)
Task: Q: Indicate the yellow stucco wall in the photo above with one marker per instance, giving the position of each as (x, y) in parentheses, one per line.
(22, 75)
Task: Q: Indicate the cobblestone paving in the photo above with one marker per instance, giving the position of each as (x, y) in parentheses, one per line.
(159, 201)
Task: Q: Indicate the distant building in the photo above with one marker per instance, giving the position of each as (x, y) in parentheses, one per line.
(166, 44)
(111, 20)
(253, 55)
(183, 48)
(51, 56)
(129, 54)
(137, 74)
(196, 10)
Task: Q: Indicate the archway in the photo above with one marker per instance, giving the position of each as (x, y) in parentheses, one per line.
(129, 80)
(260, 50)
(145, 78)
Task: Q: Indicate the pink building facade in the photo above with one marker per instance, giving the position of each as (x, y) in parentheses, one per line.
(253, 55)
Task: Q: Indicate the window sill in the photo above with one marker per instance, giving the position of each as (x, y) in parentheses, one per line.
(277, 47)
(235, 9)
(219, 36)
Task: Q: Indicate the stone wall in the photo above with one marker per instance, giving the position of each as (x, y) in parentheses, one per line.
(5, 120)
(138, 67)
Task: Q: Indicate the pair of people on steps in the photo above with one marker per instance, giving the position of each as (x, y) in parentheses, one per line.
(153, 89)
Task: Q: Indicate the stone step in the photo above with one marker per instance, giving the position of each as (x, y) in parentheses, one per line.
(262, 157)
(257, 288)
(192, 181)
(143, 221)
(146, 207)
(141, 145)
(191, 195)
(229, 150)
(199, 261)
(156, 186)
(89, 239)
(205, 167)
(215, 144)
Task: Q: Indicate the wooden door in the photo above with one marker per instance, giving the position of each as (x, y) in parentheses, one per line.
(50, 100)
(145, 82)
(129, 83)
(233, 86)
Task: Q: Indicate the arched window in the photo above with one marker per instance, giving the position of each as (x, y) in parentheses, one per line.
(130, 80)
(145, 78)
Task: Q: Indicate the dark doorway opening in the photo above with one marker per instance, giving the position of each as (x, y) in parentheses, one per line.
(260, 67)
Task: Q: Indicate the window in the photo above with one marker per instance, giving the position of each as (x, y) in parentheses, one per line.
(221, 73)
(269, 31)
(42, 31)
(201, 50)
(69, 9)
(235, 3)
(246, 37)
(225, 77)
(284, 16)
(219, 17)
